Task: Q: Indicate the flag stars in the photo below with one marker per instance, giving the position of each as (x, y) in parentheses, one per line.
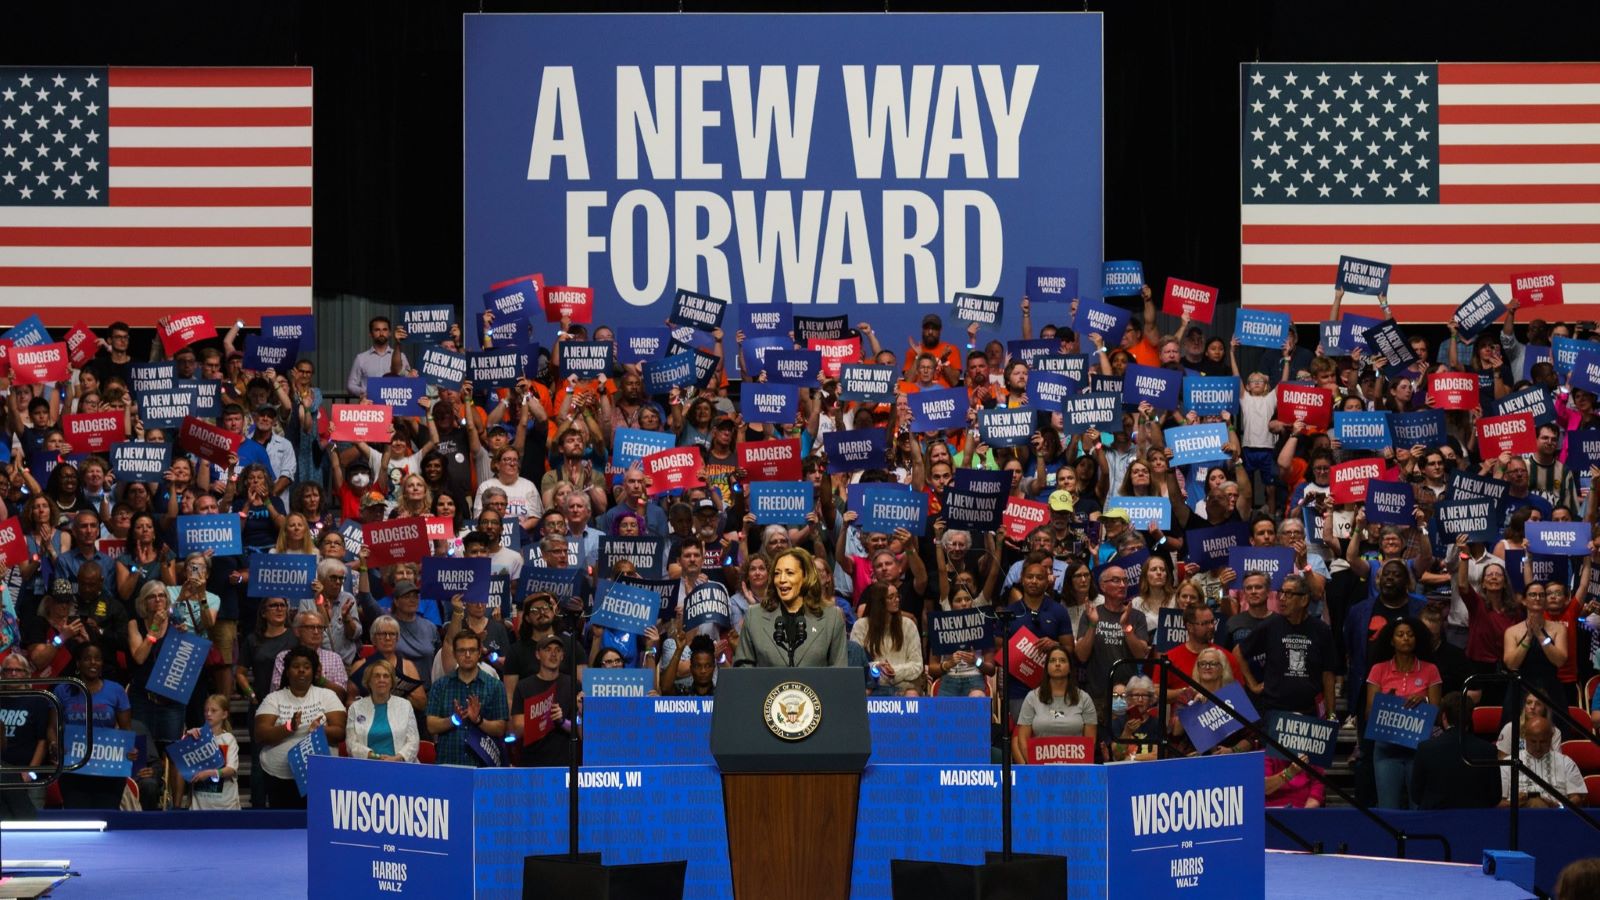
(1405, 121)
(44, 149)
(1373, 177)
(1388, 134)
(1323, 190)
(93, 193)
(42, 122)
(26, 193)
(59, 193)
(1389, 189)
(1356, 190)
(1388, 162)
(92, 165)
(1372, 121)
(1291, 135)
(1305, 93)
(75, 150)
(9, 123)
(1291, 162)
(1323, 134)
(9, 94)
(59, 108)
(1355, 106)
(92, 109)
(1422, 190)
(1258, 106)
(1274, 175)
(1373, 148)
(43, 177)
(1273, 92)
(93, 136)
(1422, 106)
(1422, 134)
(92, 81)
(1307, 177)
(1291, 190)
(42, 94)
(1388, 106)
(1306, 149)
(1405, 176)
(9, 150)
(75, 122)
(1338, 93)
(1422, 78)
(1257, 134)
(26, 81)
(1340, 148)
(1291, 106)
(1322, 79)
(1290, 79)
(1340, 176)
(1258, 162)
(1257, 190)
(75, 95)
(25, 165)
(1257, 78)
(1306, 120)
(59, 164)
(1323, 106)
(1273, 121)
(58, 81)
(1357, 135)
(1406, 148)
(1372, 93)
(1388, 79)
(1405, 93)
(26, 109)
(1355, 78)
(75, 178)
(1323, 162)
(59, 136)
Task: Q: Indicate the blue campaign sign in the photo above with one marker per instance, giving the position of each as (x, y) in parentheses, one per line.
(867, 383)
(1583, 449)
(903, 730)
(781, 502)
(498, 368)
(563, 584)
(1047, 390)
(637, 343)
(940, 409)
(775, 404)
(292, 576)
(261, 354)
(976, 500)
(1050, 284)
(1535, 400)
(1307, 736)
(1161, 388)
(28, 332)
(1328, 335)
(517, 299)
(443, 577)
(633, 444)
(1170, 630)
(109, 758)
(1257, 328)
(1144, 510)
(1208, 724)
(1391, 503)
(1208, 548)
(648, 554)
(569, 148)
(599, 682)
(1072, 366)
(1092, 409)
(1479, 518)
(1274, 562)
(797, 367)
(1006, 427)
(960, 629)
(857, 450)
(663, 731)
(430, 323)
(207, 397)
(765, 318)
(166, 409)
(1363, 430)
(1393, 721)
(1028, 351)
(702, 312)
(757, 348)
(1363, 276)
(313, 744)
(1095, 317)
(1586, 370)
(1558, 538)
(1425, 427)
(707, 604)
(1122, 278)
(193, 755)
(146, 377)
(1209, 396)
(177, 666)
(299, 330)
(140, 461)
(1478, 312)
(1532, 356)
(625, 607)
(591, 359)
(980, 309)
(662, 375)
(1353, 330)
(218, 532)
(883, 508)
(399, 393)
(442, 368)
(1564, 350)
(1198, 443)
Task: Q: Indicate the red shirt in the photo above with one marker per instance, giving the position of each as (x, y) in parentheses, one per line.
(1486, 629)
(1184, 659)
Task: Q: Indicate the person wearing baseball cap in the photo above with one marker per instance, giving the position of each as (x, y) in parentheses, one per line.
(1114, 523)
(944, 354)
(554, 747)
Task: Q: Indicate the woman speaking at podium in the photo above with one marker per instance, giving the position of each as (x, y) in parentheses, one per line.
(794, 625)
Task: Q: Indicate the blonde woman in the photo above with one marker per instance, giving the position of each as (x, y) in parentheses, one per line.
(295, 537)
(381, 725)
(415, 499)
(1155, 591)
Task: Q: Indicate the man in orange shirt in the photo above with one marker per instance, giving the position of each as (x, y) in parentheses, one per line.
(946, 354)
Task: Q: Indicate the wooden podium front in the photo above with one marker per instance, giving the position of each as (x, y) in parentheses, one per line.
(790, 804)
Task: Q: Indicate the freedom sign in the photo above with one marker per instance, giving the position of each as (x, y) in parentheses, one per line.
(1425, 426)
(1363, 276)
(177, 667)
(884, 508)
(625, 607)
(362, 422)
(1144, 510)
(771, 460)
(1122, 278)
(1393, 721)
(1189, 298)
(673, 469)
(1453, 390)
(1258, 328)
(1541, 288)
(1198, 443)
(218, 532)
(193, 755)
(1347, 481)
(856, 450)
(292, 576)
(1209, 396)
(569, 147)
(1305, 403)
(632, 445)
(1558, 538)
(781, 502)
(109, 759)
(1514, 434)
(1363, 430)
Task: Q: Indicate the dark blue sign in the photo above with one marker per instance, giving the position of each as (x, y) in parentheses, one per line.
(428, 323)
(1122, 278)
(1363, 430)
(976, 500)
(1051, 284)
(1353, 331)
(857, 450)
(299, 330)
(1161, 388)
(781, 502)
(292, 576)
(1466, 484)
(822, 328)
(980, 309)
(1006, 427)
(1258, 328)
(1565, 350)
(1198, 443)
(1391, 503)
(177, 667)
(1028, 351)
(563, 584)
(797, 367)
(218, 532)
(499, 368)
(1363, 276)
(1532, 356)
(1476, 517)
(443, 577)
(1208, 724)
(398, 393)
(517, 300)
(261, 354)
(1101, 410)
(865, 383)
(1478, 311)
(883, 508)
(1393, 721)
(648, 554)
(442, 368)
(313, 744)
(590, 359)
(1073, 366)
(1387, 341)
(1274, 562)
(775, 404)
(939, 409)
(1534, 400)
(1586, 371)
(1208, 548)
(111, 749)
(960, 629)
(1425, 427)
(207, 397)
(637, 343)
(166, 409)
(707, 604)
(1308, 736)
(1048, 390)
(1210, 396)
(764, 318)
(140, 461)
(1095, 317)
(757, 348)
(1558, 538)
(701, 312)
(147, 377)
(193, 755)
(625, 607)
(1583, 449)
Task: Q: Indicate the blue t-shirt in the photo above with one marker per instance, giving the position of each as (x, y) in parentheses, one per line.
(108, 701)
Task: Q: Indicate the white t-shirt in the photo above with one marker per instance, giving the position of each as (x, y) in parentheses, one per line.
(224, 794)
(282, 704)
(522, 498)
(1254, 414)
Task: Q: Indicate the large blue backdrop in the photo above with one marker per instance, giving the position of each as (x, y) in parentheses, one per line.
(865, 165)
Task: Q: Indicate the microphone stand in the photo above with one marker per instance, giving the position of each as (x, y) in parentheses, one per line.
(573, 618)
(1005, 617)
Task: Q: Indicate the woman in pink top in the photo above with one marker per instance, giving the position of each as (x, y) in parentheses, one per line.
(1400, 671)
(1289, 784)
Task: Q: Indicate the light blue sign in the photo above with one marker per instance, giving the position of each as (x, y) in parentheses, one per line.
(1258, 328)
(1198, 443)
(1122, 278)
(110, 756)
(599, 682)
(1363, 430)
(1392, 721)
(1144, 510)
(625, 607)
(781, 502)
(313, 744)
(292, 576)
(194, 754)
(633, 444)
(1209, 396)
(884, 508)
(218, 532)
(662, 375)
(177, 667)
(1425, 427)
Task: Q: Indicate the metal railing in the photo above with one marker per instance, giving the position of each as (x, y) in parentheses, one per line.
(35, 687)
(1519, 769)
(1165, 667)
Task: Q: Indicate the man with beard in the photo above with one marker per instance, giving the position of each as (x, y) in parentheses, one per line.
(944, 354)
(628, 402)
(636, 499)
(1299, 656)
(104, 617)
(377, 361)
(1547, 474)
(537, 622)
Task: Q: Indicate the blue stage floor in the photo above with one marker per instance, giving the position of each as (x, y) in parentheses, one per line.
(270, 864)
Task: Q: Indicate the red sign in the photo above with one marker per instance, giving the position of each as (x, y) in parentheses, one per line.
(835, 353)
(397, 540)
(440, 528)
(1453, 390)
(92, 432)
(362, 422)
(771, 460)
(536, 721)
(13, 543)
(207, 441)
(39, 364)
(81, 344)
(673, 469)
(1507, 434)
(178, 332)
(575, 303)
(112, 547)
(1188, 298)
(1299, 402)
(1022, 517)
(1347, 482)
(1027, 659)
(1060, 750)
(1542, 288)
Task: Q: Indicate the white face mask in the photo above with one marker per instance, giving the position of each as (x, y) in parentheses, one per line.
(360, 480)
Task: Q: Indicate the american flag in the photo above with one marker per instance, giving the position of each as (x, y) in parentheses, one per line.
(1456, 174)
(132, 193)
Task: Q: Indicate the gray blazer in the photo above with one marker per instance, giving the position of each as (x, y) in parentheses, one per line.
(824, 644)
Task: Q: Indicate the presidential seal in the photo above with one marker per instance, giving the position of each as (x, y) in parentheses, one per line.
(793, 711)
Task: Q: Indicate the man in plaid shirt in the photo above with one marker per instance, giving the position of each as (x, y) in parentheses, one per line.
(466, 698)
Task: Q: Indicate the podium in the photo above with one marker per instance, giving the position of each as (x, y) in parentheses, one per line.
(791, 745)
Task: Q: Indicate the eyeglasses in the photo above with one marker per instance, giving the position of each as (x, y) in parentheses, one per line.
(312, 627)
(1208, 664)
(387, 634)
(11, 671)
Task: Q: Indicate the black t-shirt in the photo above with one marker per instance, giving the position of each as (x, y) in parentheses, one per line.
(554, 748)
(457, 454)
(1296, 658)
(26, 721)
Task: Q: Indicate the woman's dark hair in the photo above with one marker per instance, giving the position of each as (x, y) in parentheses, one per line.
(299, 500)
(299, 651)
(154, 527)
(879, 618)
(1045, 695)
(79, 650)
(1516, 527)
(1383, 647)
(52, 485)
(702, 643)
(600, 658)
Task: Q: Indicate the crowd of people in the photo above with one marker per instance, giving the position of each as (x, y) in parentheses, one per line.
(526, 476)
